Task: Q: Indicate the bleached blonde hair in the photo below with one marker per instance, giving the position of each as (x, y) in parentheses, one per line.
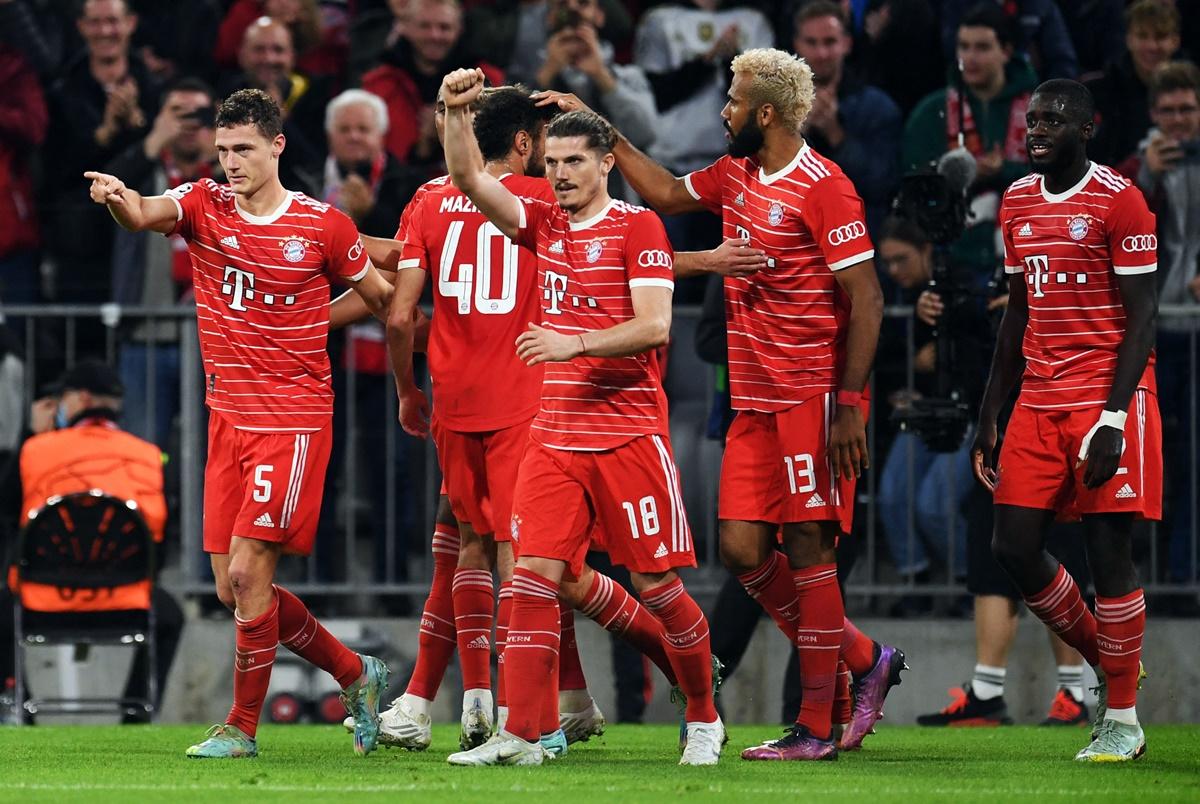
(780, 79)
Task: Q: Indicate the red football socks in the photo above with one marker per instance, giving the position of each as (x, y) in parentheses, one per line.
(474, 604)
(570, 670)
(531, 651)
(842, 704)
(255, 653)
(1061, 607)
(1120, 623)
(818, 641)
(858, 650)
(771, 585)
(503, 613)
(303, 635)
(437, 638)
(687, 646)
(611, 607)
(548, 719)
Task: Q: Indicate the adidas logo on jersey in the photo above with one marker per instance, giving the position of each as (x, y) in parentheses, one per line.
(556, 247)
(480, 643)
(1025, 231)
(230, 241)
(661, 552)
(264, 521)
(1126, 492)
(740, 199)
(814, 501)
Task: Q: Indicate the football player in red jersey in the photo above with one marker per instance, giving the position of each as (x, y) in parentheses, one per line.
(597, 460)
(1085, 438)
(263, 258)
(802, 336)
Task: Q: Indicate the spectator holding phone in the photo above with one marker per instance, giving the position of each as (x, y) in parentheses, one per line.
(156, 271)
(1167, 169)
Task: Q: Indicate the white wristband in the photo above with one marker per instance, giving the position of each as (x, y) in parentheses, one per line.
(1108, 418)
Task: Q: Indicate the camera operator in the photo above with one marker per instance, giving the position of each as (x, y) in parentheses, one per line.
(1167, 170)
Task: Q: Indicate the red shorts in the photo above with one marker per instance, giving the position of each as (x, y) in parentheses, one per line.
(1041, 447)
(264, 486)
(625, 501)
(776, 467)
(479, 472)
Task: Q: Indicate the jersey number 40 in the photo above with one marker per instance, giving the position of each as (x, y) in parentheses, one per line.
(471, 284)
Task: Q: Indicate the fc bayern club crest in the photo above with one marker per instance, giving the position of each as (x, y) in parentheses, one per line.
(294, 249)
(1077, 228)
(593, 250)
(775, 213)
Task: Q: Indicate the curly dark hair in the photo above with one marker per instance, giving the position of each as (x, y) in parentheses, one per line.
(502, 112)
(600, 135)
(251, 107)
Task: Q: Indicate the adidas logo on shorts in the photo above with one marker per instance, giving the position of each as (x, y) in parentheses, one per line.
(480, 643)
(815, 501)
(264, 521)
(661, 551)
(1126, 492)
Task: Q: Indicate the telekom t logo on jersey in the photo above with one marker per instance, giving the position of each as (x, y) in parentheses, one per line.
(238, 285)
(556, 294)
(1037, 274)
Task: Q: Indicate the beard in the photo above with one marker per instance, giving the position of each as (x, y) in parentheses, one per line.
(535, 166)
(746, 142)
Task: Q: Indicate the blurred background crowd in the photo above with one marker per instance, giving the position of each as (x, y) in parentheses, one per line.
(128, 87)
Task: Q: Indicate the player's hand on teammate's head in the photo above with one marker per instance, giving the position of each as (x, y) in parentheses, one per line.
(414, 412)
(105, 189)
(983, 455)
(462, 87)
(565, 101)
(736, 257)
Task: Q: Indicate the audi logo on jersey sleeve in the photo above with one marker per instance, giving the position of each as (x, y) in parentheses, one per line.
(654, 258)
(845, 234)
(1135, 243)
(355, 251)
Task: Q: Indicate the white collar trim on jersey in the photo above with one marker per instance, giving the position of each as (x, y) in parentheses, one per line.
(786, 169)
(1063, 196)
(592, 221)
(272, 217)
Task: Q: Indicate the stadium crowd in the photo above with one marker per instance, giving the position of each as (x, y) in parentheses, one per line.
(129, 87)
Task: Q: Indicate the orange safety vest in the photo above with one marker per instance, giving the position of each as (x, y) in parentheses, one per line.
(94, 454)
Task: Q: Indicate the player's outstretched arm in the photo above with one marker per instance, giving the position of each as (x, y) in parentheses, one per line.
(649, 329)
(463, 159)
(653, 182)
(384, 252)
(402, 327)
(131, 209)
(848, 434)
(1008, 362)
(734, 257)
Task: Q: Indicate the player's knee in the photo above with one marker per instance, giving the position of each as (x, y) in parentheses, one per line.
(244, 581)
(645, 581)
(473, 553)
(1008, 553)
(225, 595)
(739, 557)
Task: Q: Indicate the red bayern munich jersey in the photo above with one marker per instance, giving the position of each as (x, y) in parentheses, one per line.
(485, 295)
(262, 303)
(1071, 246)
(787, 323)
(586, 270)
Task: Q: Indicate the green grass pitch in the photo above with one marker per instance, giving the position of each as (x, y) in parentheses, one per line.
(629, 763)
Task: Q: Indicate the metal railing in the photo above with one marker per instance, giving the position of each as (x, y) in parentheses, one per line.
(390, 556)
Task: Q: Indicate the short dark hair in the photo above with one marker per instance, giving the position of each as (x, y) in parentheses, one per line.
(189, 83)
(989, 15)
(1076, 97)
(896, 227)
(251, 107)
(502, 112)
(817, 9)
(600, 135)
(1159, 17)
(1172, 77)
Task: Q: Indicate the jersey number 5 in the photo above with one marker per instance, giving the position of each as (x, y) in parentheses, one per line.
(473, 283)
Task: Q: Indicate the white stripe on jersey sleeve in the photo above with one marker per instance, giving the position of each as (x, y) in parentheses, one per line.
(651, 282)
(687, 182)
(1130, 270)
(855, 260)
(178, 208)
(1014, 269)
(413, 263)
(358, 277)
